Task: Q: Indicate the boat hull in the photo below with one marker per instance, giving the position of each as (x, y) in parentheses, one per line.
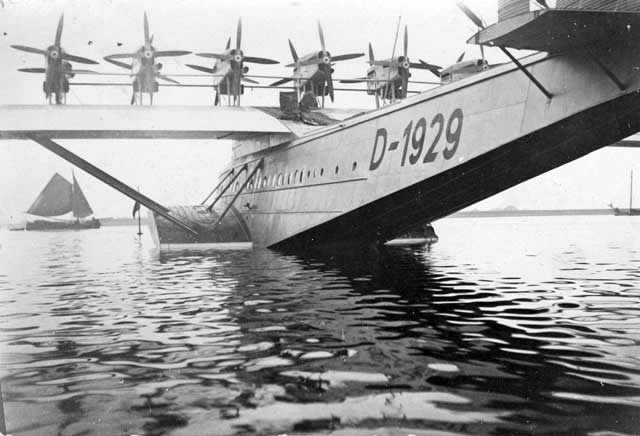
(43, 225)
(626, 212)
(212, 231)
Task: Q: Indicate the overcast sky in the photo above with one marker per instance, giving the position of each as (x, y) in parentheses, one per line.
(173, 172)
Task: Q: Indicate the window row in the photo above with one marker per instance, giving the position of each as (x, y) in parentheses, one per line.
(263, 181)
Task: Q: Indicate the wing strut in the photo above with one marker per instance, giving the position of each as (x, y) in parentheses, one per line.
(606, 70)
(108, 179)
(527, 73)
(230, 173)
(245, 167)
(244, 184)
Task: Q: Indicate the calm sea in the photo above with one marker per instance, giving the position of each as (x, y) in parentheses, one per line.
(507, 326)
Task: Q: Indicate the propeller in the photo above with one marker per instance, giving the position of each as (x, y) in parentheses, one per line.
(403, 65)
(147, 50)
(145, 57)
(323, 59)
(477, 21)
(235, 57)
(55, 52)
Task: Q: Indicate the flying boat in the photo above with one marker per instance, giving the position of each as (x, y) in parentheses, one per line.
(58, 69)
(353, 178)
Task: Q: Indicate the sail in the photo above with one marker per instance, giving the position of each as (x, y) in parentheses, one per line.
(80, 205)
(55, 198)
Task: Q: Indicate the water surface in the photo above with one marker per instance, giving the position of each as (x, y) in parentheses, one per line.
(507, 326)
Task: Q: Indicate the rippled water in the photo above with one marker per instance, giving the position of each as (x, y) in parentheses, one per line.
(506, 326)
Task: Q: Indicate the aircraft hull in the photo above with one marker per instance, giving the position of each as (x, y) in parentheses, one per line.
(375, 176)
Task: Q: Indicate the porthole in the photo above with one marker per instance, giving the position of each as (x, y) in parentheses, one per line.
(301, 175)
(321, 171)
(295, 176)
(265, 180)
(337, 169)
(308, 174)
(354, 166)
(280, 179)
(289, 179)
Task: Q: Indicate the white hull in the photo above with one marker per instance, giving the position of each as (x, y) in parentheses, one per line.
(345, 181)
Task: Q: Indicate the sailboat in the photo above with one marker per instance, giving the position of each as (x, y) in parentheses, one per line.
(631, 210)
(60, 197)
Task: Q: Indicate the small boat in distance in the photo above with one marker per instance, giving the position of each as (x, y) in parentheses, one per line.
(627, 212)
(60, 197)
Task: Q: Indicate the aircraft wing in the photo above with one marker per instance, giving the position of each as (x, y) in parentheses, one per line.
(166, 122)
(554, 30)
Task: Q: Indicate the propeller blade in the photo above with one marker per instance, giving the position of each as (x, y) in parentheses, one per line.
(78, 59)
(239, 34)
(246, 79)
(390, 64)
(282, 81)
(171, 53)
(229, 43)
(472, 16)
(168, 79)
(435, 69)
(406, 42)
(118, 63)
(357, 80)
(371, 58)
(330, 84)
(33, 70)
(293, 51)
(461, 57)
(121, 56)
(29, 49)
(59, 31)
(147, 40)
(222, 57)
(425, 66)
(199, 68)
(346, 57)
(83, 72)
(321, 34)
(255, 60)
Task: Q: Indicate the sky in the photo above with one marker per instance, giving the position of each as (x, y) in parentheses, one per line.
(183, 172)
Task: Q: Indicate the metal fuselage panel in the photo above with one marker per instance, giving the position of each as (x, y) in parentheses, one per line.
(382, 153)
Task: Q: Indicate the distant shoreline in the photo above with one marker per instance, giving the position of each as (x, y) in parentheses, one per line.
(542, 212)
(113, 222)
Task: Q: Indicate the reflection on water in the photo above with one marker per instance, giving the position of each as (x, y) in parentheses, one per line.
(507, 326)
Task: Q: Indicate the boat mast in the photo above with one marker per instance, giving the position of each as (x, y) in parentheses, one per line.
(73, 196)
(631, 193)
